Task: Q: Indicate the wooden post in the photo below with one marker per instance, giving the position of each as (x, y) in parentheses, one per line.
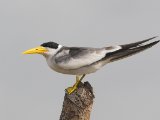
(78, 105)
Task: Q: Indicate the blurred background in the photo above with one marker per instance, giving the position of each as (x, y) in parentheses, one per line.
(125, 90)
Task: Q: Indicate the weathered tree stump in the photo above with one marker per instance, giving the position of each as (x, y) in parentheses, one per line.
(78, 105)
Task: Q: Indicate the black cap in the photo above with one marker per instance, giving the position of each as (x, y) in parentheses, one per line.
(52, 45)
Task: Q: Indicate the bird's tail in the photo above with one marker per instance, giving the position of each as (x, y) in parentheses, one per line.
(130, 49)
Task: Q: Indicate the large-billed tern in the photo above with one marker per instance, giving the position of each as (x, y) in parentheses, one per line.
(80, 61)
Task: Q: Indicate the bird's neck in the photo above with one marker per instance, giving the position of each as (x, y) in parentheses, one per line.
(52, 53)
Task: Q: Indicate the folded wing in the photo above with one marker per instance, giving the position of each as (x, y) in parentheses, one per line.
(77, 57)
(74, 57)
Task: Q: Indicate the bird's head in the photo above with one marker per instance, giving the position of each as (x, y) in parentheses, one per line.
(46, 49)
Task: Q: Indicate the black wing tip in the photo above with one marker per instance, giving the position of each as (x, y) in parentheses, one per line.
(146, 40)
(155, 42)
(149, 45)
(131, 51)
(135, 44)
(153, 37)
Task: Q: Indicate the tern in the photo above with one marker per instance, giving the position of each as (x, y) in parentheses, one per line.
(80, 61)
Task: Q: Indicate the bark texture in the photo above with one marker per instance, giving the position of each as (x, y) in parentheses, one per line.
(78, 105)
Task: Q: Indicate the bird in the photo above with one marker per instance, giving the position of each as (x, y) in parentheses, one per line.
(80, 61)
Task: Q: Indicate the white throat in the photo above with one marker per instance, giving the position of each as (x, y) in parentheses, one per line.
(51, 52)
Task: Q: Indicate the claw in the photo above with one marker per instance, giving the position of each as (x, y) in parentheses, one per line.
(71, 89)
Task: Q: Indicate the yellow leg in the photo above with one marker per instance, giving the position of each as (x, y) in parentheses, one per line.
(74, 87)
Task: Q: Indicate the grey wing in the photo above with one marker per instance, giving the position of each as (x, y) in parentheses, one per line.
(77, 57)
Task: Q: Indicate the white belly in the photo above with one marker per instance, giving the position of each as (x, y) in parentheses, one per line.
(80, 71)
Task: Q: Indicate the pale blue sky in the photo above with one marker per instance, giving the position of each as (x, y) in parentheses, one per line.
(124, 90)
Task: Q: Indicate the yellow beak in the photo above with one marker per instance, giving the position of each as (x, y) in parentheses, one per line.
(37, 50)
